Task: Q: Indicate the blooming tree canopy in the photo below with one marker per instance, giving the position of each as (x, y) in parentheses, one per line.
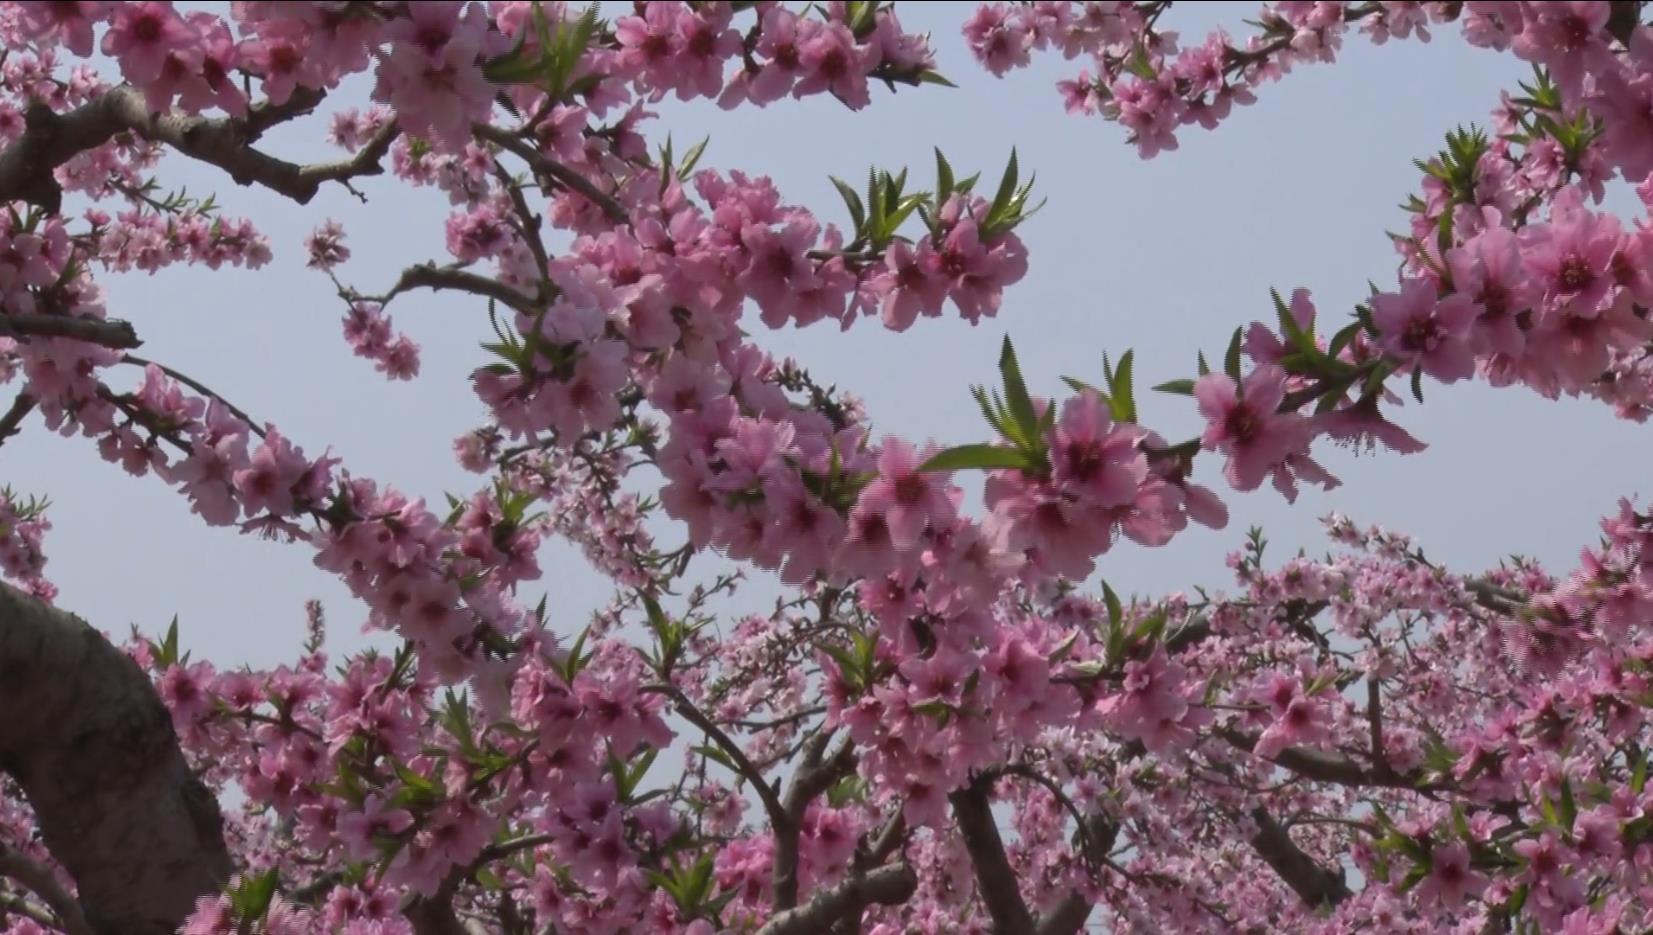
(946, 724)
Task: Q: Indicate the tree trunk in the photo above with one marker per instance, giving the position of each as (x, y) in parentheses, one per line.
(84, 734)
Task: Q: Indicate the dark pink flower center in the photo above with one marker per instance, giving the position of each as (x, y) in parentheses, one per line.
(1495, 298)
(654, 47)
(702, 44)
(910, 489)
(1242, 424)
(1421, 334)
(146, 27)
(1574, 274)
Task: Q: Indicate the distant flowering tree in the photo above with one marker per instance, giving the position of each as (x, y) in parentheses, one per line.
(942, 727)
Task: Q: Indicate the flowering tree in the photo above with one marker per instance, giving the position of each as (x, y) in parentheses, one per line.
(941, 727)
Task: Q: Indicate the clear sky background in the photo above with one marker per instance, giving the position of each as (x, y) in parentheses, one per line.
(1166, 257)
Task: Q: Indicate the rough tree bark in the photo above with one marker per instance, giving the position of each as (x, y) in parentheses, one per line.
(88, 740)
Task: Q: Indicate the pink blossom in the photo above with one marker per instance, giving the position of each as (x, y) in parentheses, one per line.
(1247, 427)
(1450, 878)
(910, 502)
(142, 35)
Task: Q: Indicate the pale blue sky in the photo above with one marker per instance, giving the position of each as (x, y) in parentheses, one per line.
(1164, 256)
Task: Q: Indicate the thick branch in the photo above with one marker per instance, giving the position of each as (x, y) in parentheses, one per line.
(1315, 884)
(885, 886)
(995, 878)
(39, 881)
(1097, 832)
(1328, 767)
(109, 332)
(51, 139)
(93, 749)
(1069, 916)
(813, 778)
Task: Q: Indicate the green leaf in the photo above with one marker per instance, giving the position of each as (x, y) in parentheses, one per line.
(1341, 339)
(931, 76)
(939, 710)
(1149, 629)
(512, 67)
(1007, 191)
(252, 898)
(875, 201)
(1569, 806)
(1123, 403)
(1080, 386)
(1062, 651)
(575, 661)
(944, 179)
(1179, 387)
(692, 158)
(1016, 398)
(716, 755)
(851, 788)
(1116, 611)
(1414, 876)
(1417, 382)
(1231, 360)
(166, 655)
(1548, 809)
(857, 211)
(1204, 368)
(1293, 332)
(989, 411)
(1638, 776)
(978, 457)
(901, 210)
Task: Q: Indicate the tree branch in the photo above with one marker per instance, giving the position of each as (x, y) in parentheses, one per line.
(11, 423)
(1328, 767)
(428, 275)
(555, 171)
(995, 878)
(51, 139)
(109, 332)
(1069, 916)
(39, 881)
(1316, 885)
(814, 776)
(93, 749)
(18, 906)
(888, 885)
(743, 764)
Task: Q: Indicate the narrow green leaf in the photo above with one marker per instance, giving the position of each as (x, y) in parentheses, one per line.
(1123, 402)
(1116, 611)
(978, 457)
(692, 158)
(1007, 191)
(944, 179)
(852, 201)
(1231, 360)
(1016, 396)
(1179, 387)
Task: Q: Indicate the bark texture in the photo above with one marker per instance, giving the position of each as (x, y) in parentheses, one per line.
(88, 740)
